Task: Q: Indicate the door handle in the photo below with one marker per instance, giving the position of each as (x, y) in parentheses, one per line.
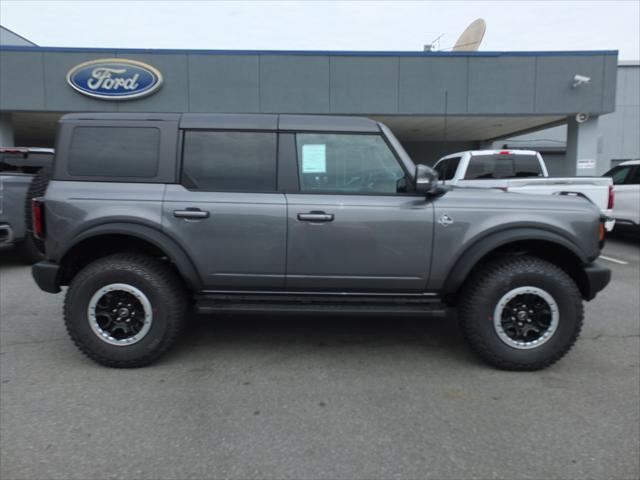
(193, 213)
(315, 217)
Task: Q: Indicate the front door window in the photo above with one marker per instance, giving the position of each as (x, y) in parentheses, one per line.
(347, 164)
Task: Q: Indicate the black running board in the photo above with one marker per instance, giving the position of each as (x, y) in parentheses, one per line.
(344, 304)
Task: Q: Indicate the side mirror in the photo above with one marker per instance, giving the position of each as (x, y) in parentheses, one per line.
(426, 179)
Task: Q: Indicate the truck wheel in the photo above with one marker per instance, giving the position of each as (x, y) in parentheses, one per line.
(125, 310)
(30, 249)
(521, 313)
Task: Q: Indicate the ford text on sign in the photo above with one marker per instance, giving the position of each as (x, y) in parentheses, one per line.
(114, 79)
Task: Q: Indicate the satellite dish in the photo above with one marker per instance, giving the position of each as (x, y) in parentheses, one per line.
(471, 38)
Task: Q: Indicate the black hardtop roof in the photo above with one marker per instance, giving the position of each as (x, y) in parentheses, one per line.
(242, 121)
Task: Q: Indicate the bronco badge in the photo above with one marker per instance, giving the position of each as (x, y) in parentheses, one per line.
(445, 220)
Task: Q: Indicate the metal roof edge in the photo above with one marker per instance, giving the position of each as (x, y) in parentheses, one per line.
(352, 53)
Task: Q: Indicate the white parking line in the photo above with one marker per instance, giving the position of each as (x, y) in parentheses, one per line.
(614, 260)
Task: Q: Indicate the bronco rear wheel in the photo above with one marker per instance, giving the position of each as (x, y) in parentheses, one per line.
(521, 313)
(125, 310)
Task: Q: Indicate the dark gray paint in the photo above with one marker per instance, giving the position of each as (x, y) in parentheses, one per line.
(242, 242)
(476, 213)
(373, 243)
(75, 207)
(228, 121)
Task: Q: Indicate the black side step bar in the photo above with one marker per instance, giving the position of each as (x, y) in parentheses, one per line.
(293, 303)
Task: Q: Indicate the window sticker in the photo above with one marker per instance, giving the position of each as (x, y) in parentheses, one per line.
(314, 159)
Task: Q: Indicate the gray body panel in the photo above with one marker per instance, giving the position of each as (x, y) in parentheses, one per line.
(241, 244)
(13, 194)
(478, 214)
(374, 242)
(77, 207)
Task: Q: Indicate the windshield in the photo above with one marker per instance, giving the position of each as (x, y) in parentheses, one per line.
(495, 166)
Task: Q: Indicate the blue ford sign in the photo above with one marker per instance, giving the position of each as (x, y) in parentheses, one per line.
(114, 79)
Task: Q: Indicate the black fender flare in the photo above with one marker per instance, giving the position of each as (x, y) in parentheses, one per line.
(483, 246)
(151, 235)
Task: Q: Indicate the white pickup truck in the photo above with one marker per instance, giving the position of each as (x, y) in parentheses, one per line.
(522, 171)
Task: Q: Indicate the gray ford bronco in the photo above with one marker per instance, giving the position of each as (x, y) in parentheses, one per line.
(150, 216)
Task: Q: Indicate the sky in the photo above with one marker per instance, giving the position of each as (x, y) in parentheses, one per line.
(327, 25)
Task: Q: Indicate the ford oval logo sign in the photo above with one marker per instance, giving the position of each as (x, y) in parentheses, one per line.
(114, 79)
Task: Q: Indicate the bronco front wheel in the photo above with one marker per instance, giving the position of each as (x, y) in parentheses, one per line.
(521, 313)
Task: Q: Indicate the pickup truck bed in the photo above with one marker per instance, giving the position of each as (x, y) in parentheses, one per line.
(19, 167)
(13, 191)
(522, 171)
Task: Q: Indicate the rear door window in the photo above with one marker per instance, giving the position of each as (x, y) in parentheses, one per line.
(229, 161)
(503, 166)
(114, 152)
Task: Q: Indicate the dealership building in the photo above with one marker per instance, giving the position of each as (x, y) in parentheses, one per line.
(436, 103)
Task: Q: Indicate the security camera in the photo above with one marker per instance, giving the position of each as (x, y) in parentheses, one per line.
(582, 117)
(580, 80)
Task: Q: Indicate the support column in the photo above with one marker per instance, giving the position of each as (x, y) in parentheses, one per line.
(6, 130)
(582, 147)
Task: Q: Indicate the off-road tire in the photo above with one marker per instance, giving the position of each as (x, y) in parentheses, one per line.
(482, 292)
(164, 289)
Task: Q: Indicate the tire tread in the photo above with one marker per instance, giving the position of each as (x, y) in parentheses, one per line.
(475, 290)
(156, 272)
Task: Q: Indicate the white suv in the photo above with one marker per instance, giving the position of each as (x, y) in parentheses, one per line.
(626, 180)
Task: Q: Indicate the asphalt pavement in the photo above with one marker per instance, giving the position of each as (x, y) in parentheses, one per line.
(319, 398)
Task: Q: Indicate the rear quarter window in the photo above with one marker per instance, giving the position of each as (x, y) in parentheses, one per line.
(114, 152)
(229, 161)
(483, 167)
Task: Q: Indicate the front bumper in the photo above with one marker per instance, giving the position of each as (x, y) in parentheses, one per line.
(46, 276)
(598, 277)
